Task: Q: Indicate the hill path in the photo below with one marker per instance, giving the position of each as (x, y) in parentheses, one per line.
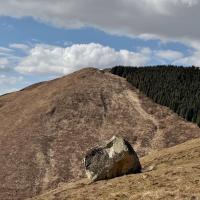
(135, 100)
(133, 96)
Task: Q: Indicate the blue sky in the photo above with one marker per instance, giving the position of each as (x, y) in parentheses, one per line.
(29, 31)
(40, 44)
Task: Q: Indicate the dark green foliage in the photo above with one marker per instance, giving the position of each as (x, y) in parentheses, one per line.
(176, 87)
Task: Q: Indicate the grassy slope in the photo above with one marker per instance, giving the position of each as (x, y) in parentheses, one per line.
(46, 128)
(176, 175)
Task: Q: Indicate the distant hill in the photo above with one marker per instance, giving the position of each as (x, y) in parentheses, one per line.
(45, 129)
(173, 86)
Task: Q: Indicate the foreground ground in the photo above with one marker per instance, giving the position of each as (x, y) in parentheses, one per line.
(175, 175)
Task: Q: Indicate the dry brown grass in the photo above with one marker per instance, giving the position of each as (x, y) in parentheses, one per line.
(46, 129)
(176, 175)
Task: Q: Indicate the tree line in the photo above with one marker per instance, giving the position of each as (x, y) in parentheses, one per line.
(176, 87)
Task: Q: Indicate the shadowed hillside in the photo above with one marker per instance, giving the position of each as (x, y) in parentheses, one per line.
(46, 128)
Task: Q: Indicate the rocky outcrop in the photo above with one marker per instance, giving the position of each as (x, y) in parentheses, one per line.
(115, 158)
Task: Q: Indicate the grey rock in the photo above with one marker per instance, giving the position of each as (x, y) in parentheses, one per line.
(115, 158)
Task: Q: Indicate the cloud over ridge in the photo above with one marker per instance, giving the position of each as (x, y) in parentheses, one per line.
(44, 59)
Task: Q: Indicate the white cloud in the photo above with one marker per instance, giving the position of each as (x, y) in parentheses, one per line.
(5, 50)
(169, 55)
(171, 19)
(9, 83)
(5, 63)
(8, 61)
(55, 60)
(19, 46)
(10, 80)
(49, 60)
(46, 59)
(193, 59)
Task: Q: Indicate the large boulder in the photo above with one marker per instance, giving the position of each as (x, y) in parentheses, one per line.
(115, 158)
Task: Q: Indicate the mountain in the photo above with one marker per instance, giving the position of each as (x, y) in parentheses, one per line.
(175, 175)
(45, 129)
